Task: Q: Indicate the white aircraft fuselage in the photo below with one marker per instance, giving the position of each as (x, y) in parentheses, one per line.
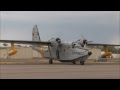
(64, 52)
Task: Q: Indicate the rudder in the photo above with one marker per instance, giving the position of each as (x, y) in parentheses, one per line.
(35, 34)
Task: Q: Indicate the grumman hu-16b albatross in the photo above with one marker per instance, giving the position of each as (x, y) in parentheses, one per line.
(55, 49)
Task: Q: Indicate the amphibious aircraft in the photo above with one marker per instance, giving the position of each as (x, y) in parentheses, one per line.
(56, 49)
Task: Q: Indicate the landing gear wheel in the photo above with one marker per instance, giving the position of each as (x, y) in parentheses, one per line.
(74, 62)
(82, 62)
(50, 61)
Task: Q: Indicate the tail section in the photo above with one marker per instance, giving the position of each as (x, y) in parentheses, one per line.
(35, 34)
(36, 37)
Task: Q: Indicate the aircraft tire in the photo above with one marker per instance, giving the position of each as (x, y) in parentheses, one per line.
(82, 62)
(74, 62)
(50, 61)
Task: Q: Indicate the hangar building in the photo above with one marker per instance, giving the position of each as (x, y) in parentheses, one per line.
(22, 53)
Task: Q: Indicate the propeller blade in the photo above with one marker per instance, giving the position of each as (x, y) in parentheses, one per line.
(82, 37)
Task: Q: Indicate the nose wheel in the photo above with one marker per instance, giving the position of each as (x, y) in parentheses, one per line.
(82, 62)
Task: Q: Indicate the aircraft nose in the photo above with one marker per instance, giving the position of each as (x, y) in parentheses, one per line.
(89, 53)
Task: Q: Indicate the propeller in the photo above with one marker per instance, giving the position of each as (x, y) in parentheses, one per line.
(58, 40)
(85, 41)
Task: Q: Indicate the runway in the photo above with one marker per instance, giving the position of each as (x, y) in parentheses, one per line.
(58, 71)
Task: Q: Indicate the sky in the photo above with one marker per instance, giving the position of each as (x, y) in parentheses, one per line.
(96, 26)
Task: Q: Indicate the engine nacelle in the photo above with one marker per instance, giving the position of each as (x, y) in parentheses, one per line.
(55, 42)
(81, 42)
(12, 52)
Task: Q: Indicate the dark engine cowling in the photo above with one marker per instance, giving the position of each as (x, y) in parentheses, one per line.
(58, 40)
(84, 41)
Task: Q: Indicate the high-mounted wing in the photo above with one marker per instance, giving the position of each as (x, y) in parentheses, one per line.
(107, 53)
(13, 51)
(98, 44)
(25, 42)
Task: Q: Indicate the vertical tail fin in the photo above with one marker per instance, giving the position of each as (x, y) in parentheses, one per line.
(36, 37)
(35, 34)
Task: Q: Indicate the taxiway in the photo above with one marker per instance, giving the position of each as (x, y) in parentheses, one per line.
(58, 71)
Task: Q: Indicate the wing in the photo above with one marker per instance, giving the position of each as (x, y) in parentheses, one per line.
(25, 42)
(98, 44)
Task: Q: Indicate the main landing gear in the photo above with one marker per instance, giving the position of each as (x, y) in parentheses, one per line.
(50, 61)
(82, 62)
(74, 62)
